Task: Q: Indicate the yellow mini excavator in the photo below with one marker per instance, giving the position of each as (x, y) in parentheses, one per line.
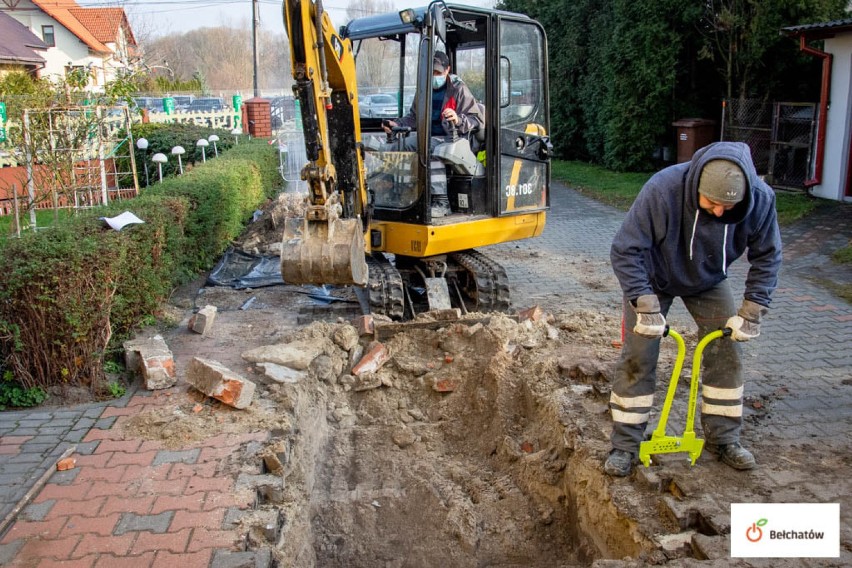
(369, 220)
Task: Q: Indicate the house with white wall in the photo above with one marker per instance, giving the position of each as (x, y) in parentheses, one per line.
(97, 39)
(832, 166)
(20, 49)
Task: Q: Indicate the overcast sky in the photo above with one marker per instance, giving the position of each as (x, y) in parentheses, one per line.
(170, 16)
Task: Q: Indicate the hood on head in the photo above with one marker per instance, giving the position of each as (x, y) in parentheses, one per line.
(736, 152)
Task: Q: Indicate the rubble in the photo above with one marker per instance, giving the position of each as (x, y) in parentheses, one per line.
(217, 381)
(152, 359)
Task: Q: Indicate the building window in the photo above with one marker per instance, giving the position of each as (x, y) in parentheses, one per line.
(47, 36)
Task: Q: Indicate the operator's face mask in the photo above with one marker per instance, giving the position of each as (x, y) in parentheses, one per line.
(438, 81)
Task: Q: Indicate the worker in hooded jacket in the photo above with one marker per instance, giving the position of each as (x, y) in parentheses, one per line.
(689, 223)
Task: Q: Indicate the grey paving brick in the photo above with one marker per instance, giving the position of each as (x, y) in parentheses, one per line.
(182, 456)
(261, 558)
(105, 423)
(18, 431)
(93, 412)
(74, 436)
(37, 511)
(132, 522)
(9, 551)
(233, 516)
(83, 422)
(87, 448)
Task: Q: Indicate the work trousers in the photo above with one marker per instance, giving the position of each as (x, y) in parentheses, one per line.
(634, 383)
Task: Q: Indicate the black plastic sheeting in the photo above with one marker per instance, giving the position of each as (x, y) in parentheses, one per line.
(239, 270)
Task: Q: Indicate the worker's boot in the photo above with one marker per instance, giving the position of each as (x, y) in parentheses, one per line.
(733, 454)
(619, 463)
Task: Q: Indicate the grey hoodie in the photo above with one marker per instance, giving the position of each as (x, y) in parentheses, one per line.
(668, 244)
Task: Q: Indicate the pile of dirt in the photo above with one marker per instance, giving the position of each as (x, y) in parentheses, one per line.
(263, 234)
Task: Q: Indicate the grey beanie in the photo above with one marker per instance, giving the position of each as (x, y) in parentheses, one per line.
(722, 181)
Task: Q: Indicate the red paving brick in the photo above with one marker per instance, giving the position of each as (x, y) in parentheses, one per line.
(62, 492)
(207, 519)
(193, 470)
(98, 461)
(222, 484)
(141, 561)
(193, 502)
(14, 439)
(58, 548)
(118, 446)
(163, 486)
(10, 449)
(111, 411)
(28, 529)
(97, 434)
(200, 559)
(206, 538)
(98, 544)
(136, 458)
(111, 474)
(86, 562)
(171, 541)
(139, 472)
(107, 489)
(83, 508)
(102, 525)
(140, 505)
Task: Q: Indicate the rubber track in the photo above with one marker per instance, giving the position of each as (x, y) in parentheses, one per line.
(492, 284)
(385, 287)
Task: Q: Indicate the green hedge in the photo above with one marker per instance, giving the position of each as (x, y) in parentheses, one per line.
(74, 292)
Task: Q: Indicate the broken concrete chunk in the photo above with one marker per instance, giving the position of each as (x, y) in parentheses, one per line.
(296, 355)
(403, 437)
(372, 361)
(152, 359)
(202, 321)
(280, 373)
(217, 381)
(367, 381)
(346, 337)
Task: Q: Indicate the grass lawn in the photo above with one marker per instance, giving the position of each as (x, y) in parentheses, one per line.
(44, 218)
(620, 189)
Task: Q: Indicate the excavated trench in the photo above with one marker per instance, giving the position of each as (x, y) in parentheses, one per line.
(469, 447)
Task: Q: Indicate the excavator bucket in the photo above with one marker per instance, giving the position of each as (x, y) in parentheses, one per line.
(323, 252)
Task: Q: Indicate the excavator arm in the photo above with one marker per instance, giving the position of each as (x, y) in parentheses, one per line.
(328, 245)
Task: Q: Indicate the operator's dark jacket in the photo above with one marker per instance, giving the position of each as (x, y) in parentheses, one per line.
(459, 98)
(668, 244)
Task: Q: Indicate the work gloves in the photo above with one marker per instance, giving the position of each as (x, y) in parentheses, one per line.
(746, 324)
(650, 322)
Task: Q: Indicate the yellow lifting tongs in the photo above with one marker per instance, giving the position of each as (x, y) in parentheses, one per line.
(659, 442)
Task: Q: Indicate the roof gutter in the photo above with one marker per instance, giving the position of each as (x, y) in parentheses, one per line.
(823, 108)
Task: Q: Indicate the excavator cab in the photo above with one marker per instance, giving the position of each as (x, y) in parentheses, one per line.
(491, 185)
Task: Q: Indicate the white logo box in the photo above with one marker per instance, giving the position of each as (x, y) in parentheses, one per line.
(785, 530)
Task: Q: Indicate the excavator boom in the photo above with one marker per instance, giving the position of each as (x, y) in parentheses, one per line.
(328, 245)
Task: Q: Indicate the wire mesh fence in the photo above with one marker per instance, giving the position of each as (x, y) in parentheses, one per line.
(781, 136)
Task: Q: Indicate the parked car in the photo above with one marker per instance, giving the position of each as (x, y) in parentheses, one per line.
(379, 106)
(207, 104)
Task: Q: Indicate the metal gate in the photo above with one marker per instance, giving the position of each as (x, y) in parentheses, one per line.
(781, 137)
(793, 134)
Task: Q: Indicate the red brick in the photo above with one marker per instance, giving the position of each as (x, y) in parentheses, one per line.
(118, 446)
(172, 541)
(102, 525)
(123, 504)
(123, 458)
(205, 538)
(112, 474)
(107, 489)
(10, 450)
(207, 519)
(372, 361)
(27, 529)
(196, 484)
(98, 544)
(109, 561)
(182, 503)
(203, 470)
(59, 548)
(200, 559)
(84, 508)
(60, 492)
(163, 486)
(86, 562)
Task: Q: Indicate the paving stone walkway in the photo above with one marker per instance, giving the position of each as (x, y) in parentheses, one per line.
(130, 502)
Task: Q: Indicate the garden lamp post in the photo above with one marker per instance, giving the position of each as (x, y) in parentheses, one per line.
(213, 138)
(178, 151)
(142, 144)
(160, 159)
(203, 143)
(236, 132)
